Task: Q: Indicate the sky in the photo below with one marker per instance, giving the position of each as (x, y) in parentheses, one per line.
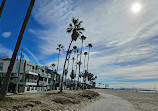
(124, 34)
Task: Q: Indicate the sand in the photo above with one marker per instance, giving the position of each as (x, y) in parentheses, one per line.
(142, 101)
(49, 101)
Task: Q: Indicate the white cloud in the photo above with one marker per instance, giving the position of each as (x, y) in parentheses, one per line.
(6, 34)
(118, 35)
(5, 51)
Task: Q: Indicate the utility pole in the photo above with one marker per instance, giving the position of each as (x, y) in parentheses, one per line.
(18, 80)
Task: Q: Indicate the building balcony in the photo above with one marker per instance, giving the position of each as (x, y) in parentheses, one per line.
(31, 80)
(43, 83)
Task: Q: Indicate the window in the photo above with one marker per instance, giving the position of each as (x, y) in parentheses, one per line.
(1, 65)
(28, 88)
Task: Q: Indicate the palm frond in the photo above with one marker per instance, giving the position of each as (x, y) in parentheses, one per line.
(70, 25)
(80, 29)
(75, 21)
(69, 30)
(79, 24)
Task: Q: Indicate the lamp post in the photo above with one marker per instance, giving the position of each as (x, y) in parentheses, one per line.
(18, 80)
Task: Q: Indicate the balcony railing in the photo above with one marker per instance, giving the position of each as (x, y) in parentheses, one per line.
(31, 80)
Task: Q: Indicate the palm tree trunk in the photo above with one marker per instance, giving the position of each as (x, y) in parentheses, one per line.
(80, 58)
(76, 65)
(78, 75)
(81, 54)
(67, 70)
(58, 61)
(84, 63)
(88, 58)
(2, 7)
(81, 50)
(73, 61)
(72, 64)
(4, 88)
(61, 86)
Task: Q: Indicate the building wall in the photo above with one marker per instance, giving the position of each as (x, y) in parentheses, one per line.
(28, 76)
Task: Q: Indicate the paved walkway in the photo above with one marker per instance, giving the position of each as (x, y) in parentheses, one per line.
(110, 103)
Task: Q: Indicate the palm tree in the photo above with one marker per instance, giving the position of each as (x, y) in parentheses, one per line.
(73, 59)
(2, 7)
(85, 75)
(77, 60)
(90, 78)
(59, 48)
(53, 75)
(89, 47)
(66, 72)
(79, 76)
(53, 65)
(76, 30)
(72, 76)
(4, 88)
(85, 54)
(68, 59)
(82, 38)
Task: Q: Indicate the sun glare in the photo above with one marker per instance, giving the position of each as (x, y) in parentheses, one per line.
(136, 7)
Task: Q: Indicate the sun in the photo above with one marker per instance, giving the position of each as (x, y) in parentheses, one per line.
(136, 7)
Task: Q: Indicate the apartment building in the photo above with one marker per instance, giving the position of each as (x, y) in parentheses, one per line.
(32, 78)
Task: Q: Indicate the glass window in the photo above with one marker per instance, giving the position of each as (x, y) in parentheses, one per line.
(17, 66)
(1, 65)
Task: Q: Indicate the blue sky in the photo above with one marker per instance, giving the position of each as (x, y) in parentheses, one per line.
(125, 42)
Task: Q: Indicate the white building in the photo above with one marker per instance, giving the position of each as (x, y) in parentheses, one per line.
(32, 78)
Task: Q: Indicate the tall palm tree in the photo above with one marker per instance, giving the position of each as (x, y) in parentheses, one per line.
(82, 38)
(85, 75)
(79, 76)
(68, 59)
(4, 88)
(77, 51)
(85, 54)
(73, 59)
(76, 30)
(59, 48)
(2, 7)
(53, 76)
(72, 76)
(85, 71)
(89, 47)
(66, 72)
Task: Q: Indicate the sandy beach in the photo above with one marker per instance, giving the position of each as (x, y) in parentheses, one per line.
(142, 101)
(69, 100)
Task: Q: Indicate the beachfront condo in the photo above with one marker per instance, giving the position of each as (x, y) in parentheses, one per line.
(32, 78)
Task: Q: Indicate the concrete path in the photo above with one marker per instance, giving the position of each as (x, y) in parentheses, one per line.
(110, 103)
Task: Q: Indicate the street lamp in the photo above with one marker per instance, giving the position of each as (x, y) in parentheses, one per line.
(16, 90)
